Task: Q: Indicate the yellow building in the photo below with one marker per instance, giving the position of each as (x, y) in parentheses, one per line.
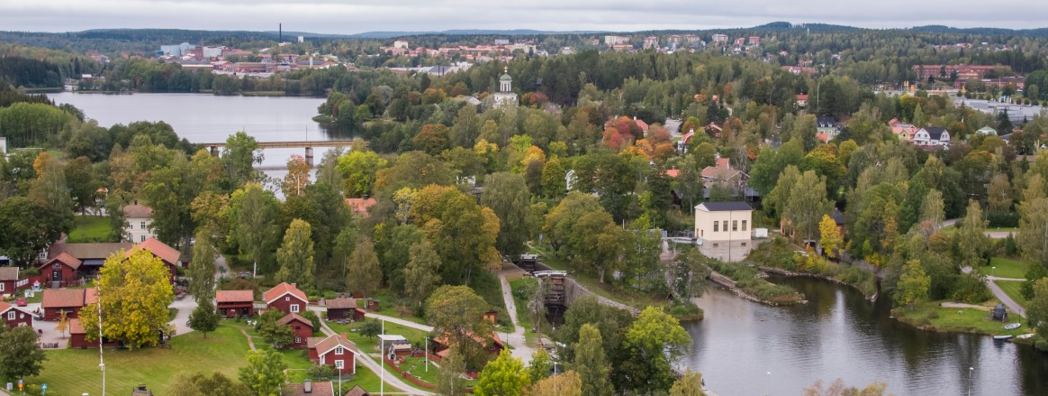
(724, 229)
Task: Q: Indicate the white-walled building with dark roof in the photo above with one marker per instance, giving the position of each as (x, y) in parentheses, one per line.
(724, 230)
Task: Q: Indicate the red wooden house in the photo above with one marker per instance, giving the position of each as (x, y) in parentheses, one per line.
(334, 351)
(234, 303)
(343, 308)
(10, 281)
(357, 391)
(70, 301)
(14, 316)
(60, 271)
(286, 298)
(169, 255)
(78, 337)
(302, 327)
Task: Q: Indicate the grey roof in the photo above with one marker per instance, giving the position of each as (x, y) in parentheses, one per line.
(8, 273)
(724, 206)
(935, 132)
(505, 77)
(826, 122)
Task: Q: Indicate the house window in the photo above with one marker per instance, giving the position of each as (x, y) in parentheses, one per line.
(298, 340)
(142, 225)
(287, 298)
(339, 364)
(339, 350)
(744, 244)
(129, 226)
(294, 308)
(1, 286)
(715, 245)
(716, 226)
(725, 225)
(734, 225)
(11, 315)
(744, 225)
(143, 238)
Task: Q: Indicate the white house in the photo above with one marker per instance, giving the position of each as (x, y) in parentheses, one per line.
(724, 230)
(931, 136)
(137, 222)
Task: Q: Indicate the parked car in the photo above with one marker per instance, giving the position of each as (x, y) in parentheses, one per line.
(21, 302)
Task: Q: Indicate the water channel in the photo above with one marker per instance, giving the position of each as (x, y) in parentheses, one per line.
(836, 335)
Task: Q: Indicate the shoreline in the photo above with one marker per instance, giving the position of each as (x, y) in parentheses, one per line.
(792, 274)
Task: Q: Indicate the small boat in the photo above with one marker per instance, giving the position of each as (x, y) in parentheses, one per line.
(1012, 326)
(1002, 337)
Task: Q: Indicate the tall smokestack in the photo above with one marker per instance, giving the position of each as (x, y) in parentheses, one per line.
(281, 32)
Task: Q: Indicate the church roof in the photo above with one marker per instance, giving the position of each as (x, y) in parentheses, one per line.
(505, 77)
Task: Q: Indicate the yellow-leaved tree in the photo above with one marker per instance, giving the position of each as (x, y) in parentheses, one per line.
(831, 236)
(134, 292)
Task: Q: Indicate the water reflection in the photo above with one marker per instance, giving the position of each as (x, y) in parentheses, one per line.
(840, 335)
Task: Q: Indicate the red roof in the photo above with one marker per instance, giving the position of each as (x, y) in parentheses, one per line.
(802, 97)
(228, 296)
(673, 172)
(341, 303)
(4, 307)
(63, 298)
(282, 289)
(159, 249)
(359, 206)
(291, 317)
(75, 327)
(326, 345)
(65, 258)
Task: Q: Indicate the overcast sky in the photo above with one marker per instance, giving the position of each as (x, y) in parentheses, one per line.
(355, 16)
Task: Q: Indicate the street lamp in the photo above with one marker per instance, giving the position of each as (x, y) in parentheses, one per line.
(769, 383)
(970, 371)
(991, 271)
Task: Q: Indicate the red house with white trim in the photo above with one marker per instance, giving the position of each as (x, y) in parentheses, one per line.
(70, 301)
(302, 327)
(286, 298)
(14, 316)
(11, 281)
(60, 271)
(334, 351)
(169, 255)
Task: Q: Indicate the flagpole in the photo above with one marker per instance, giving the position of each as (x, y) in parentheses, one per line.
(101, 361)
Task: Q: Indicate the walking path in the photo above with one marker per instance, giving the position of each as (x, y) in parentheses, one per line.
(391, 379)
(516, 340)
(402, 322)
(1000, 294)
(250, 342)
(185, 307)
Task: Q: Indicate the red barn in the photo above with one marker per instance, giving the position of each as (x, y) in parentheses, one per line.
(334, 351)
(70, 301)
(14, 316)
(302, 327)
(165, 253)
(10, 282)
(286, 298)
(78, 337)
(343, 308)
(60, 271)
(234, 303)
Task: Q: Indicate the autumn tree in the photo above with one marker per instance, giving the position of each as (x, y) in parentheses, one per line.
(688, 385)
(297, 177)
(363, 274)
(63, 323)
(462, 232)
(134, 293)
(831, 238)
(567, 383)
(455, 313)
(359, 169)
(504, 376)
(421, 275)
(295, 256)
(264, 373)
(591, 364)
(913, 284)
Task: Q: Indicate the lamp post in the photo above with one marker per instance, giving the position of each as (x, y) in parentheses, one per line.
(970, 371)
(769, 383)
(991, 271)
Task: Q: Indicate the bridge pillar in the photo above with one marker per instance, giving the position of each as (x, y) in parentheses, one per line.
(309, 156)
(214, 151)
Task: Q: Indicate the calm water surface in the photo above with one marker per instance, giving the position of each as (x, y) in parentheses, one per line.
(840, 335)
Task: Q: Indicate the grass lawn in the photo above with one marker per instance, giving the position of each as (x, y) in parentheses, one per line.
(391, 306)
(75, 371)
(370, 345)
(90, 229)
(1011, 288)
(931, 316)
(1006, 268)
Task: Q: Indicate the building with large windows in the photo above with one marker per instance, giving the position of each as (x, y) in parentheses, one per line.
(724, 230)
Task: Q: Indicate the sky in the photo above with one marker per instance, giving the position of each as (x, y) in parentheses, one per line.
(355, 16)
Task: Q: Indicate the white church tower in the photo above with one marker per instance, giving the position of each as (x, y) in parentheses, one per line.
(505, 95)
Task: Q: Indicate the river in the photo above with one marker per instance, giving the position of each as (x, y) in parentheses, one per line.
(840, 335)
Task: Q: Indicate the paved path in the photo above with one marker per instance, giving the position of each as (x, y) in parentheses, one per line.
(391, 379)
(185, 307)
(1008, 301)
(997, 278)
(516, 339)
(962, 305)
(402, 322)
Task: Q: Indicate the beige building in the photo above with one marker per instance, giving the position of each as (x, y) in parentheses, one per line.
(724, 230)
(137, 220)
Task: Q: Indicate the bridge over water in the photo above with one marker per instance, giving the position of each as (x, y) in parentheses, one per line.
(213, 148)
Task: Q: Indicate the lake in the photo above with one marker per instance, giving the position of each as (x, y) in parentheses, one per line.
(840, 335)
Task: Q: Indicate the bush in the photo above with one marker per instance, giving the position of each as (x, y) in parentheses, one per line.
(933, 315)
(329, 295)
(321, 372)
(970, 289)
(684, 308)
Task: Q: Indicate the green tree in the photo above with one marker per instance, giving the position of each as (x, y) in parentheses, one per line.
(422, 274)
(50, 189)
(201, 385)
(450, 381)
(82, 183)
(504, 376)
(170, 191)
(565, 384)
(455, 313)
(691, 268)
(275, 333)
(202, 268)
(371, 329)
(807, 204)
(591, 363)
(252, 217)
(688, 385)
(295, 256)
(134, 292)
(541, 365)
(913, 284)
(20, 353)
(553, 182)
(654, 342)
(364, 275)
(359, 169)
(264, 373)
(1033, 229)
(239, 157)
(972, 244)
(29, 227)
(204, 318)
(463, 233)
(507, 195)
(1037, 312)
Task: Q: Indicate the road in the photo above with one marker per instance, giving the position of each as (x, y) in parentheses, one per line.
(1001, 295)
(516, 339)
(185, 307)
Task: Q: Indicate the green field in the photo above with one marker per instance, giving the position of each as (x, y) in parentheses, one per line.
(91, 229)
(1011, 288)
(930, 316)
(1006, 268)
(370, 345)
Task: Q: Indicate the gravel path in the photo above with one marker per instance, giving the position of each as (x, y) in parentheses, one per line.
(516, 339)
